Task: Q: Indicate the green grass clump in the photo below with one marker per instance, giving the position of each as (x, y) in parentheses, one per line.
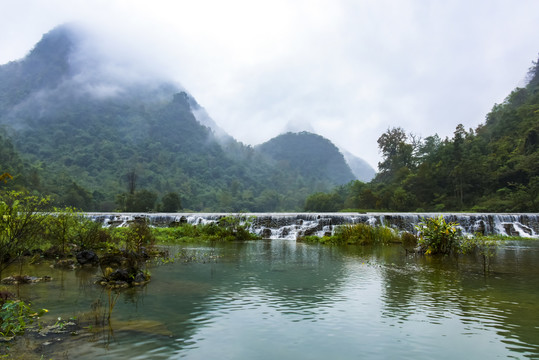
(362, 234)
(230, 228)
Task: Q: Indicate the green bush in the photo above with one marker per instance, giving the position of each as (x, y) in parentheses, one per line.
(364, 234)
(436, 236)
(21, 224)
(139, 236)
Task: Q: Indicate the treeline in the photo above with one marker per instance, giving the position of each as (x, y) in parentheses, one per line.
(135, 146)
(494, 168)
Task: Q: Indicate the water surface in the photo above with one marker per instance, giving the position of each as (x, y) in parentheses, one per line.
(287, 300)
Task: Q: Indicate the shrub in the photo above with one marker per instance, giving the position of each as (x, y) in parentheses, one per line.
(436, 236)
(21, 224)
(409, 241)
(485, 247)
(364, 234)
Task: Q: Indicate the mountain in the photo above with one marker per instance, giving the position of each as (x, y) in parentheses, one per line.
(98, 136)
(361, 169)
(312, 156)
(492, 168)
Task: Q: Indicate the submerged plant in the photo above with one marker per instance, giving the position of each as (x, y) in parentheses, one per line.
(481, 245)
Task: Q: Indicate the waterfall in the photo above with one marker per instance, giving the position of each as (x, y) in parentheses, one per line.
(292, 225)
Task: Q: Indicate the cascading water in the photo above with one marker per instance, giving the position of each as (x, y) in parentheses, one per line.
(293, 225)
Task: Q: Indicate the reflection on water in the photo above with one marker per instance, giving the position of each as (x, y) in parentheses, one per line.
(281, 299)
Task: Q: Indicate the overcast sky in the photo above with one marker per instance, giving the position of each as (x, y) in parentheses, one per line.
(347, 70)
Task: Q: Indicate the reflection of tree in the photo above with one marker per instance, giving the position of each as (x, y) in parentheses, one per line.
(440, 287)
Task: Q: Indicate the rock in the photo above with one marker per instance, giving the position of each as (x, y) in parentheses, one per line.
(479, 227)
(140, 277)
(24, 279)
(266, 233)
(5, 295)
(65, 264)
(87, 257)
(119, 275)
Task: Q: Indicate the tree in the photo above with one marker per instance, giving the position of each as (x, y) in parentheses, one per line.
(21, 222)
(141, 201)
(396, 152)
(171, 202)
(131, 181)
(323, 202)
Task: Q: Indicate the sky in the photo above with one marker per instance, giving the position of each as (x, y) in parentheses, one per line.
(345, 69)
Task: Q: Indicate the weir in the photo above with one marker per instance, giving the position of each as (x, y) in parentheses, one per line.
(293, 225)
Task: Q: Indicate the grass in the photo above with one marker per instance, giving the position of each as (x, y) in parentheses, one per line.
(203, 232)
(358, 234)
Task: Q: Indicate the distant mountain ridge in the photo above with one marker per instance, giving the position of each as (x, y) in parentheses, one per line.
(82, 128)
(310, 154)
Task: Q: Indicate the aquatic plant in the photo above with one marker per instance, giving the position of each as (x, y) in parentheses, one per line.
(409, 241)
(484, 246)
(16, 316)
(139, 236)
(436, 236)
(227, 228)
(363, 234)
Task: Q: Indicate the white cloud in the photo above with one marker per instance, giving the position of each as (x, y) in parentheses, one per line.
(345, 69)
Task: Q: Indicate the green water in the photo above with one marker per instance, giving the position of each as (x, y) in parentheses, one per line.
(285, 300)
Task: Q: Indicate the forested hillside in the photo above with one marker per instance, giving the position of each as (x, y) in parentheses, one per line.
(494, 168)
(313, 157)
(97, 138)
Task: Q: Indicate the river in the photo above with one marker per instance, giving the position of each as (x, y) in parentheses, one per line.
(281, 299)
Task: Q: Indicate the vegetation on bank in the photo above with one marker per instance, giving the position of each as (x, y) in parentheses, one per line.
(30, 226)
(31, 229)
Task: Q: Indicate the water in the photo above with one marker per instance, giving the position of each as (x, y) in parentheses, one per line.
(293, 225)
(278, 299)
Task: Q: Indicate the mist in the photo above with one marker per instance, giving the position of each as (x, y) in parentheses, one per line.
(345, 70)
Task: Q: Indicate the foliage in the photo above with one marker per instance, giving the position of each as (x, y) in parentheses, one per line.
(21, 222)
(358, 234)
(66, 228)
(229, 228)
(436, 236)
(16, 316)
(494, 168)
(61, 228)
(235, 228)
(483, 246)
(171, 202)
(321, 202)
(139, 236)
(138, 201)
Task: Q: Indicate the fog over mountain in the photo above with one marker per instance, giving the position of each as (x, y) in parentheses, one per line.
(84, 121)
(347, 70)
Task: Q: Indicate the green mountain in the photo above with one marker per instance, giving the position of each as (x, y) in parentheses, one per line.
(77, 127)
(360, 168)
(494, 168)
(312, 156)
